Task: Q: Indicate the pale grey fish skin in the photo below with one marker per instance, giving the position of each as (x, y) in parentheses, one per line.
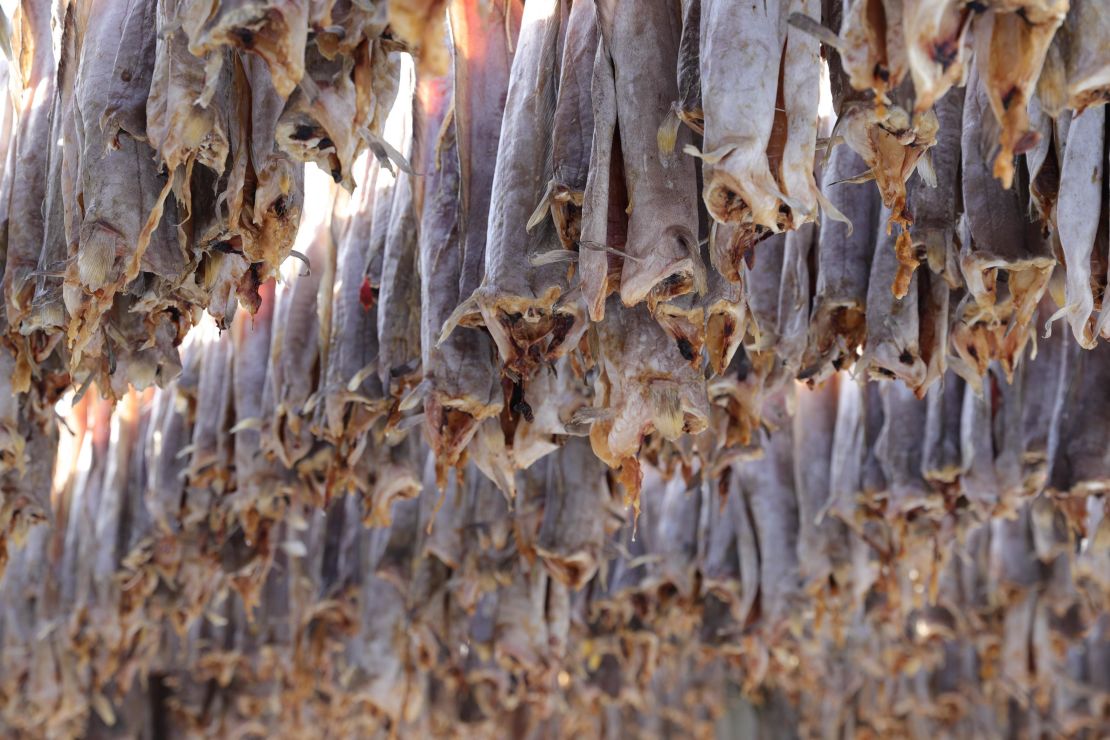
(251, 347)
(768, 485)
(900, 444)
(820, 539)
(49, 313)
(978, 481)
(593, 264)
(211, 453)
(1080, 445)
(873, 480)
(662, 186)
(935, 209)
(794, 299)
(29, 155)
(843, 265)
(891, 347)
(572, 133)
(481, 82)
(576, 509)
(399, 326)
(353, 338)
(762, 283)
(1041, 376)
(129, 88)
(941, 460)
(523, 164)
(460, 369)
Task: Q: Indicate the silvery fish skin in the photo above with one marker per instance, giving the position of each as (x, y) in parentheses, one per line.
(844, 258)
(741, 51)
(892, 349)
(663, 218)
(1077, 217)
(573, 125)
(936, 209)
(462, 387)
(599, 271)
(30, 152)
(520, 301)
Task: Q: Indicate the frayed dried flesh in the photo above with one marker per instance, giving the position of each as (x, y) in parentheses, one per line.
(275, 30)
(936, 47)
(872, 49)
(725, 319)
(891, 143)
(177, 126)
(646, 389)
(662, 208)
(1010, 50)
(419, 24)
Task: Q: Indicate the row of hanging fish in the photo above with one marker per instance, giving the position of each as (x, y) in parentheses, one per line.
(584, 366)
(859, 578)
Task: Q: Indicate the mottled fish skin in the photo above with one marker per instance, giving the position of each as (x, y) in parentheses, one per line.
(275, 30)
